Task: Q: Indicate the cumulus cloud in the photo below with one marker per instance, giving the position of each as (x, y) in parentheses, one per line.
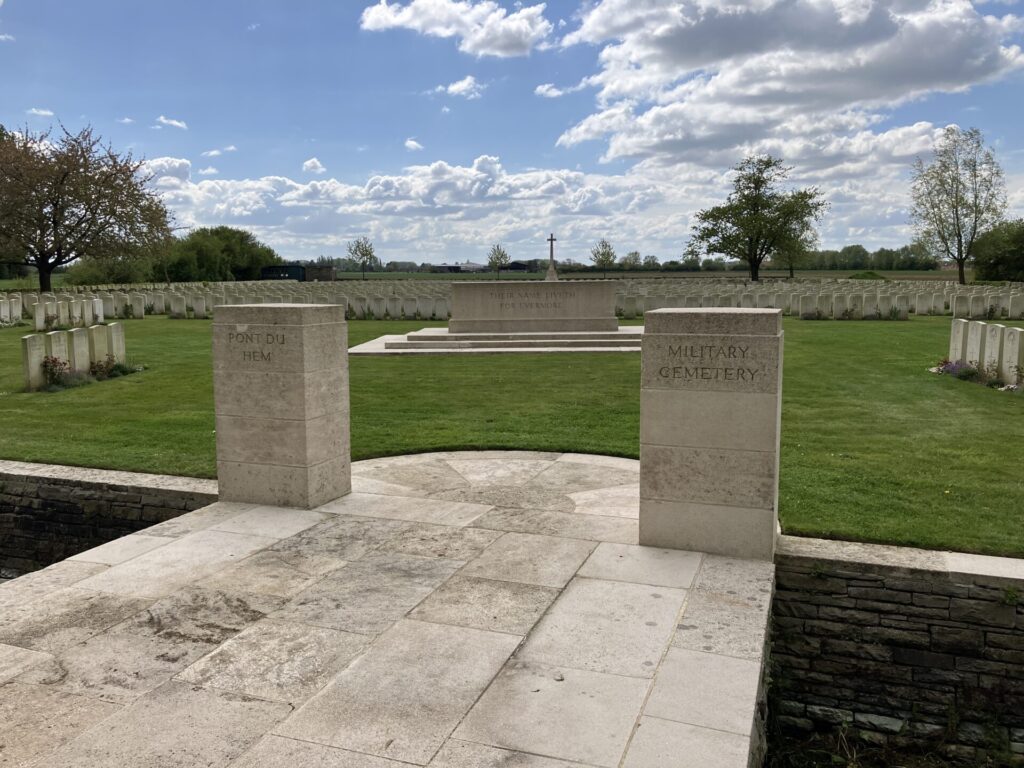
(125, 120)
(169, 168)
(412, 145)
(711, 80)
(313, 166)
(208, 171)
(180, 124)
(482, 27)
(37, 112)
(211, 153)
(442, 208)
(5, 38)
(468, 88)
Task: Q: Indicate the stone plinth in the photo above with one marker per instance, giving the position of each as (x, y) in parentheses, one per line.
(280, 375)
(710, 407)
(529, 306)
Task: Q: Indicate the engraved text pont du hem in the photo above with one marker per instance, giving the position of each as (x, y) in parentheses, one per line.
(262, 339)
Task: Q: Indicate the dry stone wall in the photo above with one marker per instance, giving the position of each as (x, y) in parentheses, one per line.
(905, 647)
(48, 513)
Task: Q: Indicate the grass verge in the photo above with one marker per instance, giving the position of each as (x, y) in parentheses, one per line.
(874, 448)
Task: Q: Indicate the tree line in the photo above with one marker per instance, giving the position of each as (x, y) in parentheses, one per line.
(70, 199)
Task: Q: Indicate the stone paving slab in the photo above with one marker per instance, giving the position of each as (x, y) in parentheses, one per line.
(175, 726)
(277, 660)
(404, 696)
(606, 626)
(459, 610)
(548, 561)
(557, 712)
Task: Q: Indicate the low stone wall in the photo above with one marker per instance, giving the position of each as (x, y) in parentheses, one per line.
(48, 513)
(907, 647)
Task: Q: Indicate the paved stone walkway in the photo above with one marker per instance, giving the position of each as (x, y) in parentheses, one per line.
(457, 610)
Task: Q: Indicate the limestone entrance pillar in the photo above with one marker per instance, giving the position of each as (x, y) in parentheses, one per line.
(710, 409)
(280, 375)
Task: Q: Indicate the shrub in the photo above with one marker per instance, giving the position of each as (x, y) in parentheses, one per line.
(870, 275)
(56, 371)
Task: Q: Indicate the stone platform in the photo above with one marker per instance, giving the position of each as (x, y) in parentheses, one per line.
(457, 610)
(442, 341)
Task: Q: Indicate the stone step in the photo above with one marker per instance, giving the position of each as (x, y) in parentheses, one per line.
(514, 344)
(596, 336)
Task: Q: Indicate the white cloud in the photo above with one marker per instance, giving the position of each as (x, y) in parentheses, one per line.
(482, 27)
(172, 123)
(208, 171)
(551, 91)
(125, 120)
(445, 109)
(37, 112)
(313, 166)
(708, 81)
(219, 152)
(412, 145)
(169, 168)
(5, 38)
(252, 27)
(468, 88)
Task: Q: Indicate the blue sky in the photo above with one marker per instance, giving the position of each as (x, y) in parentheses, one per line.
(438, 127)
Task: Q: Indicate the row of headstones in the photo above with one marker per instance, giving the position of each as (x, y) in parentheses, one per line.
(839, 306)
(49, 310)
(991, 347)
(79, 348)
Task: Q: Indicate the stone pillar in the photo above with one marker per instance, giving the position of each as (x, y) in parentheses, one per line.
(280, 376)
(710, 407)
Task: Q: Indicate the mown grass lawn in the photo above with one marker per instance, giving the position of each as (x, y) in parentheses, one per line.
(874, 448)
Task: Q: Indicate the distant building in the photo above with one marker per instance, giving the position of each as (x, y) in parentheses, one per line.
(320, 274)
(467, 266)
(283, 272)
(298, 272)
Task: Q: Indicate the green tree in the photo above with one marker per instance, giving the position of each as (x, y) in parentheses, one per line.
(690, 263)
(958, 196)
(999, 253)
(651, 261)
(69, 197)
(631, 260)
(791, 259)
(603, 255)
(758, 219)
(497, 258)
(216, 254)
(360, 251)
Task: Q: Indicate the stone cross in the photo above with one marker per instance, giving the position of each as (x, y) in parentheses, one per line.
(551, 275)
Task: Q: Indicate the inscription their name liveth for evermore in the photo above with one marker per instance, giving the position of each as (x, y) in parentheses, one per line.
(530, 299)
(261, 340)
(710, 362)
